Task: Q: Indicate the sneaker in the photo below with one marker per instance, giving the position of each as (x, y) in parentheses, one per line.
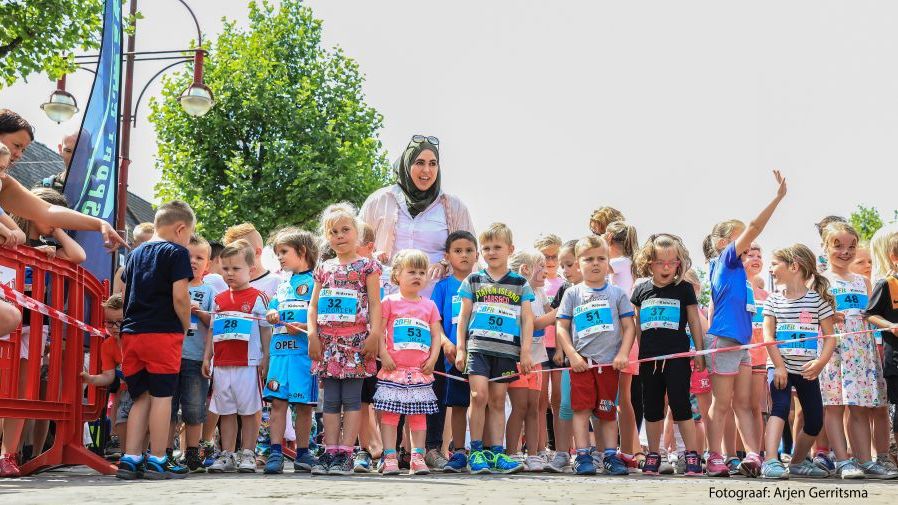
(886, 461)
(390, 465)
(435, 459)
(716, 467)
(584, 464)
(247, 461)
(615, 466)
(534, 464)
(807, 468)
(478, 463)
(362, 462)
(275, 464)
(226, 463)
(824, 462)
(774, 469)
(458, 463)
(323, 465)
(751, 465)
(732, 464)
(304, 463)
(598, 458)
(652, 462)
(417, 465)
(342, 465)
(502, 463)
(874, 470)
(692, 464)
(849, 470)
(153, 470)
(665, 468)
(519, 457)
(193, 460)
(679, 463)
(208, 453)
(113, 448)
(559, 462)
(127, 468)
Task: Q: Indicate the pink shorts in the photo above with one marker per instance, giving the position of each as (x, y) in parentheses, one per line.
(633, 367)
(532, 381)
(700, 382)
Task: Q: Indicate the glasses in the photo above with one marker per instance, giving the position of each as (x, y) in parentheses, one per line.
(112, 324)
(430, 139)
(670, 264)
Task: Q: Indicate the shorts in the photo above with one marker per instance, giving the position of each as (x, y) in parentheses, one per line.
(290, 379)
(595, 390)
(670, 378)
(151, 362)
(458, 393)
(724, 363)
(549, 364)
(124, 407)
(369, 387)
(700, 382)
(532, 381)
(236, 390)
(491, 367)
(190, 397)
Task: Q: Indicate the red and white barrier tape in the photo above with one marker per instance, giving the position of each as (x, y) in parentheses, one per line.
(27, 302)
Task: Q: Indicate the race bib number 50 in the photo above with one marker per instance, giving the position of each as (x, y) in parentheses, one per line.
(495, 320)
(337, 305)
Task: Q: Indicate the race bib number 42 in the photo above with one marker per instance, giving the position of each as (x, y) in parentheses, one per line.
(337, 305)
(495, 320)
(411, 334)
(659, 313)
(231, 326)
(593, 317)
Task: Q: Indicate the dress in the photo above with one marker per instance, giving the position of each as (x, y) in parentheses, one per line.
(854, 374)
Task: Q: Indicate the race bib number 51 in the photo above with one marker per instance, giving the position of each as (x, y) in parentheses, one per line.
(593, 317)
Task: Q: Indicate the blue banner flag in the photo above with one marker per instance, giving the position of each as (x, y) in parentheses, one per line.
(91, 183)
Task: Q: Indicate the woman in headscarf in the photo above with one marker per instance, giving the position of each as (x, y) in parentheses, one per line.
(414, 213)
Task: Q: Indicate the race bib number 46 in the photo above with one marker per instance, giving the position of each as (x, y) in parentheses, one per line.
(792, 331)
(337, 305)
(659, 313)
(593, 317)
(231, 326)
(495, 320)
(411, 334)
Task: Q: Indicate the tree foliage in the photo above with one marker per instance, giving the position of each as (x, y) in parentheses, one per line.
(866, 221)
(289, 132)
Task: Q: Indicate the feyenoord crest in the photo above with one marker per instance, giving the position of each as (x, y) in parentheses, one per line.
(273, 385)
(302, 289)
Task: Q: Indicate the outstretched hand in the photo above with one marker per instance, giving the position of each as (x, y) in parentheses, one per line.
(781, 190)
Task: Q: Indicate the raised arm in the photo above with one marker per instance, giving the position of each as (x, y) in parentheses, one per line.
(756, 226)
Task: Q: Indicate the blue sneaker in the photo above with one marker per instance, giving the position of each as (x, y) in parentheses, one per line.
(457, 463)
(168, 469)
(362, 462)
(275, 463)
(614, 465)
(502, 463)
(584, 465)
(128, 469)
(478, 463)
(304, 463)
(208, 453)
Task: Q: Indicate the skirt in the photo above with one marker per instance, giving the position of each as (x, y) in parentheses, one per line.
(405, 391)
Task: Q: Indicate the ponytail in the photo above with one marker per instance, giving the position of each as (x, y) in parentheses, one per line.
(821, 286)
(624, 235)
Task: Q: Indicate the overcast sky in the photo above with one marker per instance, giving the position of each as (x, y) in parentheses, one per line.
(673, 112)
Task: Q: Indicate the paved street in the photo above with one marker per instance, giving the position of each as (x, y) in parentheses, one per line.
(78, 486)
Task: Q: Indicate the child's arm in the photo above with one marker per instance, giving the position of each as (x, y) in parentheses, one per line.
(563, 337)
(812, 368)
(780, 376)
(756, 226)
(544, 321)
(207, 354)
(464, 315)
(436, 335)
(375, 334)
(11, 231)
(386, 361)
(698, 334)
(628, 327)
(103, 379)
(526, 337)
(314, 341)
(637, 324)
(69, 249)
(181, 301)
(204, 316)
(265, 337)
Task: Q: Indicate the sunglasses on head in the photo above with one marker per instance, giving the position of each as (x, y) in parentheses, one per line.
(430, 139)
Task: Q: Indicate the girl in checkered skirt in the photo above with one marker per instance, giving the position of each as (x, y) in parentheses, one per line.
(408, 353)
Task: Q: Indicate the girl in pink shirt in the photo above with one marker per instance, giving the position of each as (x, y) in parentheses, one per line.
(408, 353)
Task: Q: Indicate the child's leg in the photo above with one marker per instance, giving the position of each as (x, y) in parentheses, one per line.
(10, 317)
(880, 418)
(459, 427)
(564, 428)
(497, 392)
(721, 403)
(519, 398)
(480, 396)
(677, 381)
(303, 424)
(859, 432)
(742, 407)
(137, 425)
(389, 423)
(835, 430)
(278, 421)
(543, 427)
(228, 429)
(731, 434)
(249, 430)
(781, 400)
(555, 400)
(12, 427)
(417, 424)
(532, 422)
(812, 406)
(653, 394)
(629, 436)
(581, 429)
(758, 403)
(351, 402)
(210, 425)
(332, 405)
(193, 388)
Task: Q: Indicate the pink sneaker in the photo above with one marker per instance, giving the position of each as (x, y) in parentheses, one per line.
(715, 466)
(391, 465)
(417, 465)
(751, 465)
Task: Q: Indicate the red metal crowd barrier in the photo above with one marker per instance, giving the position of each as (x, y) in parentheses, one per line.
(70, 289)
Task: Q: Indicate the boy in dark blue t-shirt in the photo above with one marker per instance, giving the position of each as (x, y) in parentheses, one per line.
(157, 313)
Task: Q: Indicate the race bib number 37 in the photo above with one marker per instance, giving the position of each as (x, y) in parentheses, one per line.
(659, 313)
(495, 320)
(593, 317)
(337, 305)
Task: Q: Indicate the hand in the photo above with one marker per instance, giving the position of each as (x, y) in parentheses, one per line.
(780, 377)
(699, 362)
(578, 364)
(49, 250)
(812, 369)
(437, 271)
(621, 361)
(85, 377)
(387, 363)
(838, 318)
(207, 368)
(558, 358)
(19, 237)
(460, 360)
(6, 237)
(314, 347)
(781, 190)
(427, 369)
(381, 256)
(111, 239)
(194, 307)
(371, 345)
(893, 329)
(526, 363)
(449, 351)
(295, 328)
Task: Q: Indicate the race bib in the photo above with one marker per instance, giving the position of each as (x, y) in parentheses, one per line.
(593, 317)
(495, 320)
(850, 301)
(411, 334)
(456, 308)
(337, 305)
(750, 298)
(194, 321)
(231, 326)
(757, 319)
(292, 311)
(790, 331)
(659, 313)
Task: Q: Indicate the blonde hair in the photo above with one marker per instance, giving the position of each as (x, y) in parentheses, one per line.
(238, 247)
(196, 240)
(304, 243)
(174, 212)
(646, 255)
(590, 242)
(407, 258)
(114, 302)
(624, 235)
(336, 212)
(366, 233)
(884, 241)
(721, 231)
(529, 258)
(143, 229)
(800, 255)
(829, 231)
(237, 232)
(602, 217)
(4, 151)
(496, 232)
(546, 241)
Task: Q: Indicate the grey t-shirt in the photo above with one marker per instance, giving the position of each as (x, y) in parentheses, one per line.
(595, 316)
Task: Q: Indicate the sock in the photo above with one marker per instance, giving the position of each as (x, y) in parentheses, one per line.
(497, 449)
(389, 453)
(136, 458)
(476, 445)
(276, 449)
(418, 450)
(301, 451)
(346, 449)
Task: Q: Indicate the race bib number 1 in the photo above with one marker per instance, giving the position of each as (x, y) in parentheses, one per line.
(411, 334)
(593, 317)
(495, 320)
(231, 326)
(659, 313)
(337, 305)
(791, 331)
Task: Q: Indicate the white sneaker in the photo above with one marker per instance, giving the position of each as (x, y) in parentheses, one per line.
(225, 463)
(520, 458)
(247, 461)
(534, 464)
(559, 462)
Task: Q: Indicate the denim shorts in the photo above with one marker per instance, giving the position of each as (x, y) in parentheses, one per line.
(190, 396)
(124, 407)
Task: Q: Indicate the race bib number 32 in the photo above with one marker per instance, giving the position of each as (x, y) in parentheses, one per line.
(337, 305)
(593, 317)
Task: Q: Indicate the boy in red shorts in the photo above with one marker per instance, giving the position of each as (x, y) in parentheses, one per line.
(157, 313)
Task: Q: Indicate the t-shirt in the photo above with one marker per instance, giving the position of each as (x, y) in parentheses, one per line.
(151, 270)
(195, 340)
(732, 296)
(111, 357)
(267, 283)
(448, 301)
(216, 282)
(663, 317)
(407, 324)
(559, 295)
(235, 338)
(595, 315)
(292, 303)
(538, 347)
(884, 303)
(553, 285)
(797, 319)
(343, 299)
(494, 328)
(623, 273)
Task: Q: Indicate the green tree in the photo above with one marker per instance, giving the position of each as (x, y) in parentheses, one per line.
(41, 35)
(289, 132)
(866, 221)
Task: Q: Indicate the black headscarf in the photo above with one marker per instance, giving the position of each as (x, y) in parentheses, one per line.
(415, 199)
